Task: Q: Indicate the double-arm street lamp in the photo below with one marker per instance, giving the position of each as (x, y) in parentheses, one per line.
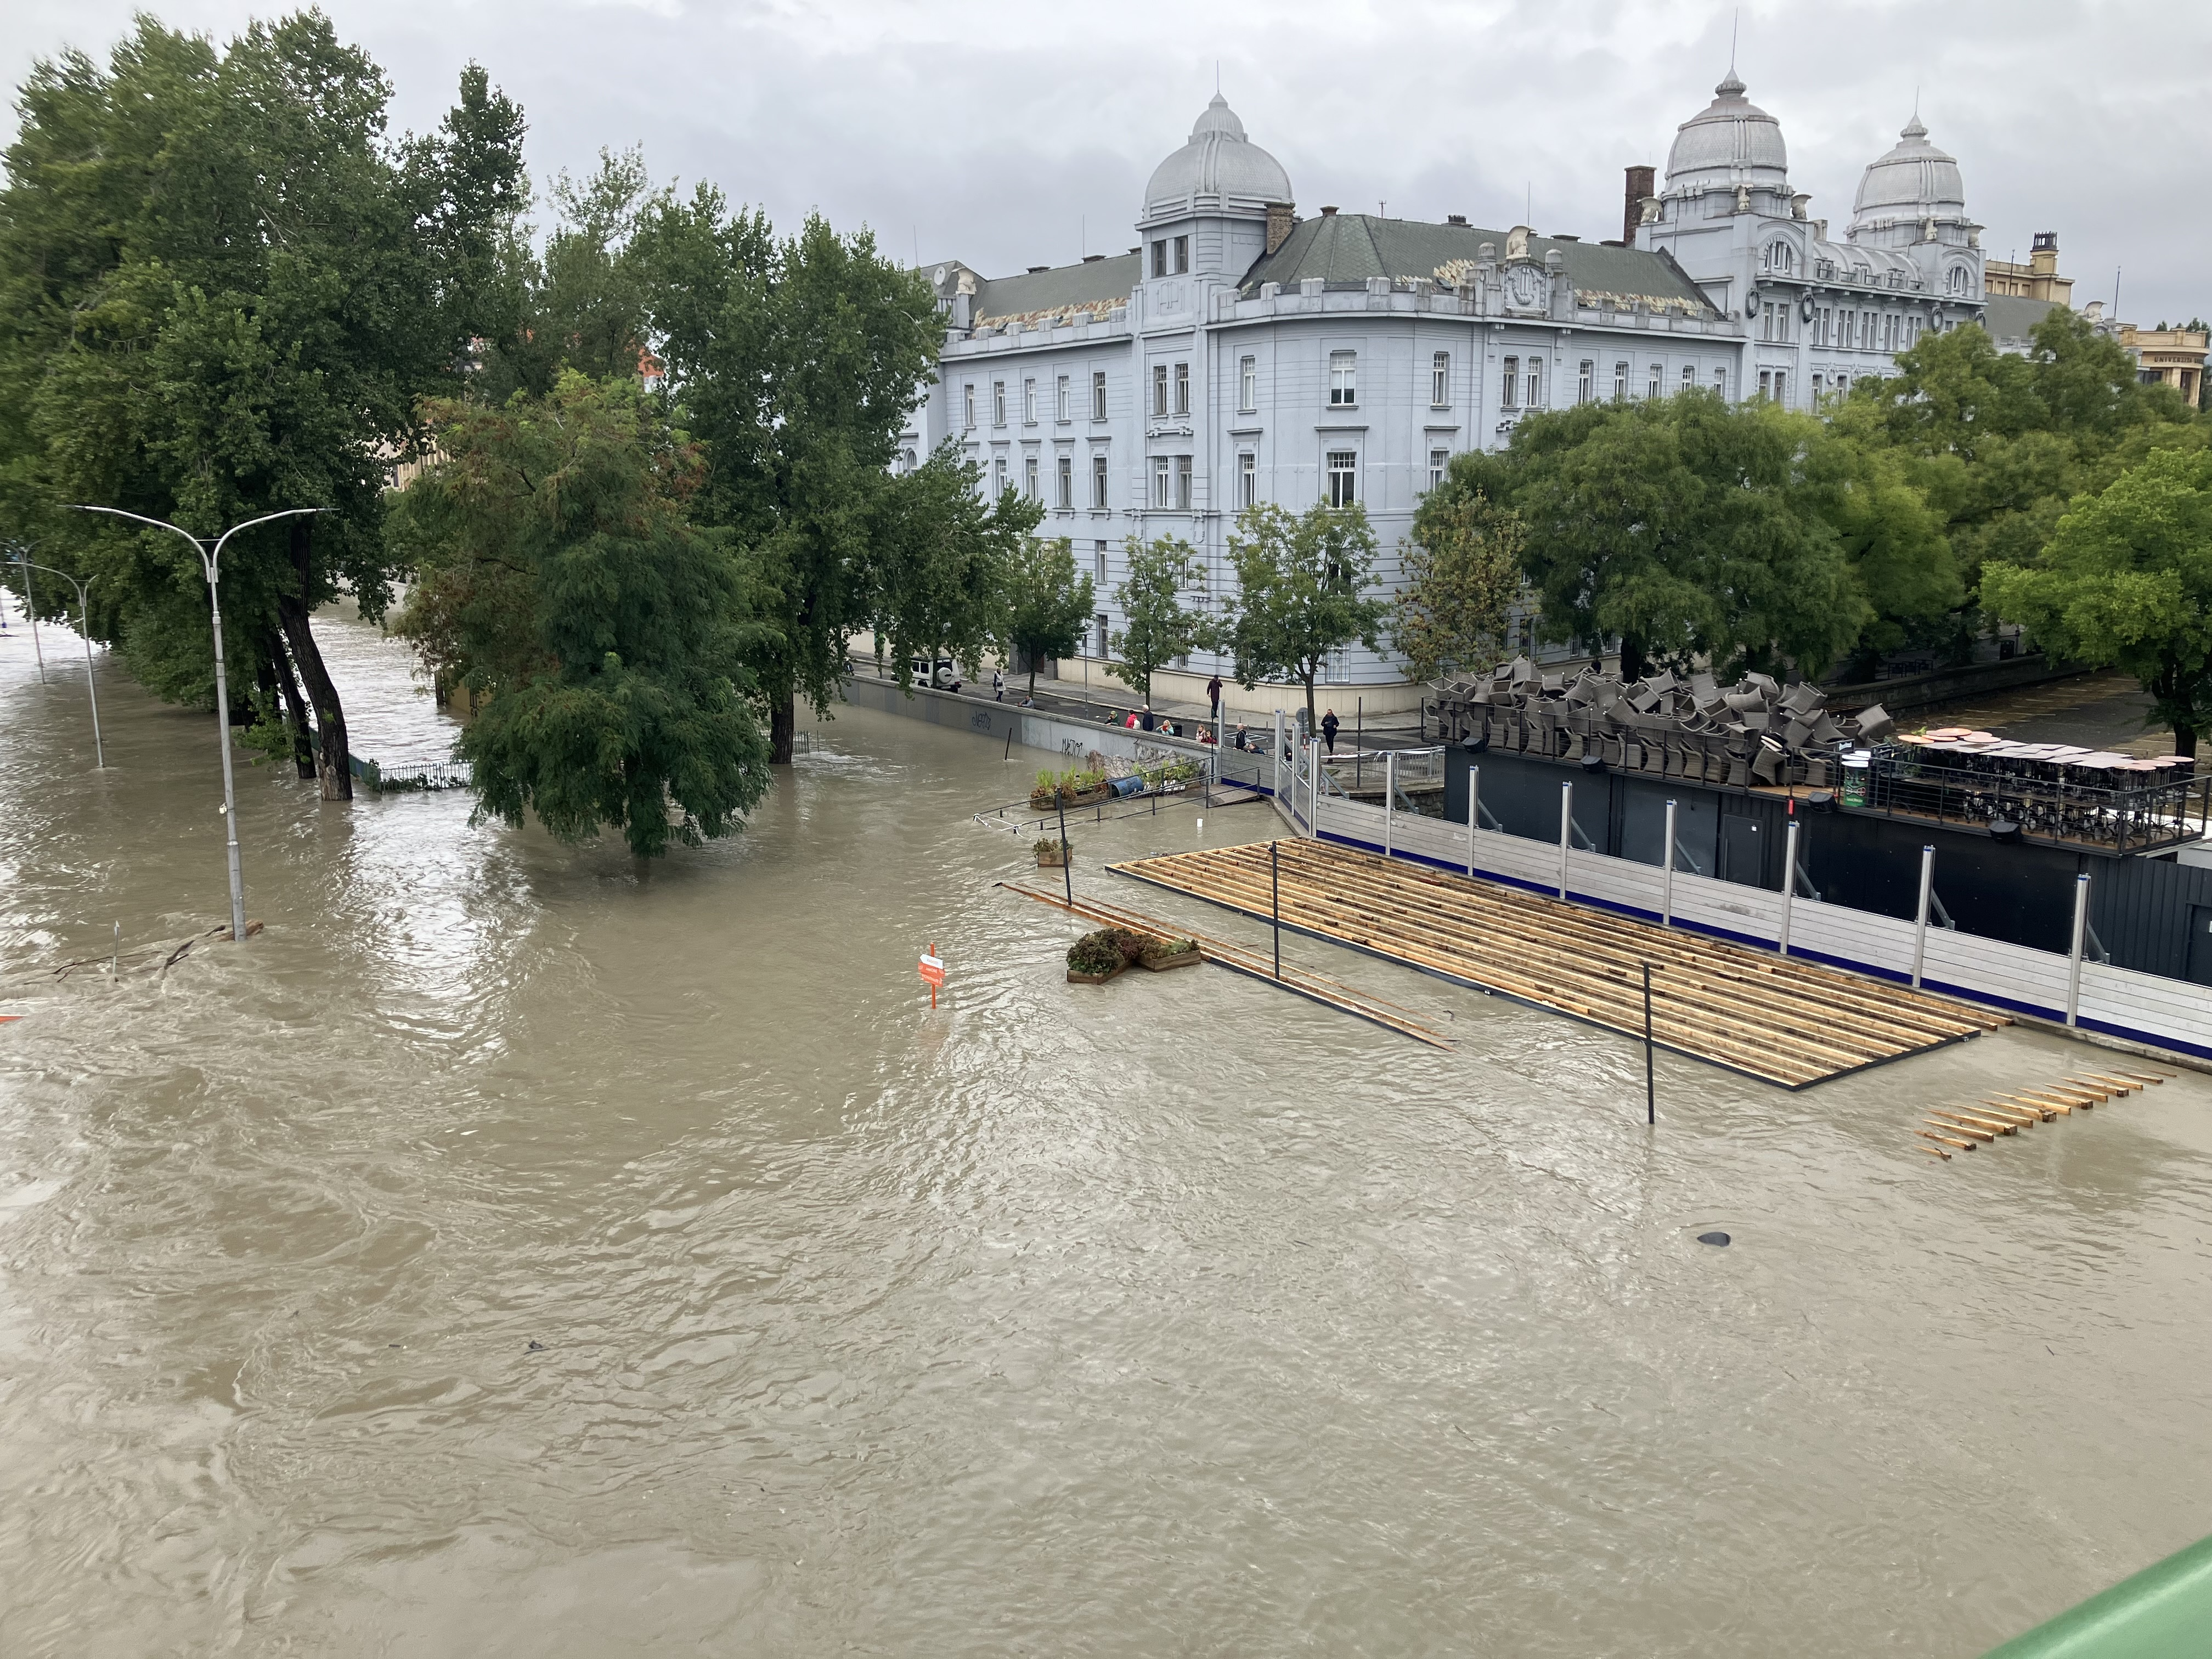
(84, 629)
(210, 556)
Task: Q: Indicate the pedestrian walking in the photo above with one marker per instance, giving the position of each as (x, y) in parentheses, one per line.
(1213, 698)
(1328, 725)
(998, 686)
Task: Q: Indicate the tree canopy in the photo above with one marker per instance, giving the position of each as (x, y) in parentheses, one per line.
(2126, 582)
(943, 562)
(1463, 574)
(560, 578)
(1303, 581)
(1048, 605)
(1157, 628)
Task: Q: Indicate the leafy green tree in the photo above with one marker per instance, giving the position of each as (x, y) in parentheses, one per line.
(559, 578)
(222, 290)
(795, 364)
(943, 558)
(1462, 574)
(1680, 527)
(1048, 604)
(1156, 628)
(1303, 581)
(1892, 538)
(2126, 582)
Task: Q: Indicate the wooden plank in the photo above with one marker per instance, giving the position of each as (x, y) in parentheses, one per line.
(1961, 1129)
(2019, 1114)
(2041, 1105)
(1963, 1145)
(2086, 1102)
(2093, 1091)
(2118, 1085)
(1937, 1152)
(2000, 1125)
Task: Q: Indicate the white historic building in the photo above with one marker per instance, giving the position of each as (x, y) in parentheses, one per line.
(1240, 353)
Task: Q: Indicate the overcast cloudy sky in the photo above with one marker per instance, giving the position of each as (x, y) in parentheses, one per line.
(1017, 135)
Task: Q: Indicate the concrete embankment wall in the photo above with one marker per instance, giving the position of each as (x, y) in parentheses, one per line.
(1032, 728)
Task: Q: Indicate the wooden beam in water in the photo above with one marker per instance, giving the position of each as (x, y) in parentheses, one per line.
(1963, 1145)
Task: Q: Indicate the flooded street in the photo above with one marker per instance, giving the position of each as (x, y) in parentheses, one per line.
(519, 1250)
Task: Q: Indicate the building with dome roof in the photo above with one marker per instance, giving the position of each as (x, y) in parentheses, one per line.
(1241, 353)
(1818, 313)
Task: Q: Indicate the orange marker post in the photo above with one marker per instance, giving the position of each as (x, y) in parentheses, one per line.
(932, 970)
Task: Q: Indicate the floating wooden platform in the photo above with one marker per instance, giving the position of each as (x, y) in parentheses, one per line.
(1778, 1018)
(1259, 964)
(1994, 1114)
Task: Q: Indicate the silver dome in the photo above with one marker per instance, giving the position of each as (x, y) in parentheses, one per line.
(1220, 162)
(1731, 141)
(1915, 181)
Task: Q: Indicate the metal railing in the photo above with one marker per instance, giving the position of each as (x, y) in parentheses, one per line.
(2054, 809)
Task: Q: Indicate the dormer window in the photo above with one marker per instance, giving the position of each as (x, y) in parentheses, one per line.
(1779, 257)
(1960, 280)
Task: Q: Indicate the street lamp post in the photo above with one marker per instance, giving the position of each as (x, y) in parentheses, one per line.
(211, 559)
(31, 610)
(84, 632)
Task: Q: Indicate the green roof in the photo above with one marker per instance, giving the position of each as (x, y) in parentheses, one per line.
(2009, 316)
(1094, 287)
(1351, 247)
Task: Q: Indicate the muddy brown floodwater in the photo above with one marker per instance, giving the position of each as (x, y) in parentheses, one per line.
(516, 1250)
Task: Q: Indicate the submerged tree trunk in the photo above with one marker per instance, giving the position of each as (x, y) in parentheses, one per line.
(296, 712)
(329, 715)
(1631, 659)
(782, 726)
(2185, 740)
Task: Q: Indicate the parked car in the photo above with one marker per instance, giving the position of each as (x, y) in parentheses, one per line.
(945, 677)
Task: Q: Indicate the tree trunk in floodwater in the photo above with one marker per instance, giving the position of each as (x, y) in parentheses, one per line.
(782, 727)
(295, 711)
(1631, 657)
(336, 768)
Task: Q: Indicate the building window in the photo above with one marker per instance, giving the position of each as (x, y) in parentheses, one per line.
(1059, 407)
(1343, 379)
(1689, 376)
(1535, 383)
(1343, 477)
(968, 407)
(1098, 482)
(1067, 482)
(998, 403)
(1098, 623)
(1183, 484)
(1440, 380)
(1182, 254)
(1658, 388)
(1160, 258)
(1159, 389)
(1867, 322)
(1586, 385)
(1816, 388)
(906, 460)
(1098, 565)
(1248, 385)
(1720, 384)
(1438, 460)
(1182, 388)
(1889, 331)
(1248, 479)
(1030, 479)
(1160, 481)
(1029, 403)
(1508, 385)
(1098, 394)
(998, 476)
(1781, 386)
(1960, 280)
(1620, 382)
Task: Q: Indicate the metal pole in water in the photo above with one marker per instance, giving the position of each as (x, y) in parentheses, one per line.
(1667, 882)
(31, 610)
(1276, 890)
(1066, 864)
(1920, 922)
(115, 950)
(1788, 884)
(1566, 821)
(1473, 813)
(1650, 1089)
(2074, 951)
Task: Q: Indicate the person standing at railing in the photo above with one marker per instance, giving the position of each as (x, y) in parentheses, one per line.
(1213, 699)
(1328, 726)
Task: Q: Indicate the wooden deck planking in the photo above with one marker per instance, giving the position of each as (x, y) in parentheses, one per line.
(1781, 1019)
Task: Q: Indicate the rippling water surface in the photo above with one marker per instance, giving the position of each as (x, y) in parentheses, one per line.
(517, 1250)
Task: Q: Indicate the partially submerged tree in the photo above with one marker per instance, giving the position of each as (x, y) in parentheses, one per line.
(795, 364)
(943, 557)
(1155, 629)
(1048, 605)
(2126, 582)
(559, 578)
(224, 289)
(1462, 574)
(1303, 581)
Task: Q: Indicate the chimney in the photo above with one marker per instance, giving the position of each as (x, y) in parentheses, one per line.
(1454, 218)
(1328, 213)
(1280, 218)
(2043, 255)
(1640, 183)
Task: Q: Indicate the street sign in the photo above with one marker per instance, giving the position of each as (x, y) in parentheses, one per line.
(932, 972)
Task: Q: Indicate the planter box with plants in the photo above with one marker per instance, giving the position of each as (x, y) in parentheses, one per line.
(1069, 789)
(1052, 853)
(1095, 958)
(1160, 954)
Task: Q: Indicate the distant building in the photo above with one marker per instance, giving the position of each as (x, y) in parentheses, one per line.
(1241, 354)
(2022, 295)
(2168, 357)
